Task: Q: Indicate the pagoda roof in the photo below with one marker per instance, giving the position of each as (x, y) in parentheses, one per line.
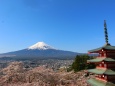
(107, 47)
(99, 59)
(96, 82)
(102, 71)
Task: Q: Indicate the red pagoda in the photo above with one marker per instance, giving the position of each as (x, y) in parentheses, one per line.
(105, 64)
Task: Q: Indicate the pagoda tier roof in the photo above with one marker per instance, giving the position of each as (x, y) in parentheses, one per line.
(102, 71)
(96, 82)
(99, 59)
(107, 47)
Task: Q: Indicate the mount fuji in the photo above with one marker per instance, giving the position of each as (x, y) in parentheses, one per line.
(40, 46)
(39, 50)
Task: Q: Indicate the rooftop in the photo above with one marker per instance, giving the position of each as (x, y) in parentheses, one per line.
(102, 71)
(96, 82)
(98, 59)
(106, 47)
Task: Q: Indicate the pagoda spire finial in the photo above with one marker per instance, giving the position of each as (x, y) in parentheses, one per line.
(106, 33)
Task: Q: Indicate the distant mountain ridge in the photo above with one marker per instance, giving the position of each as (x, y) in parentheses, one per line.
(40, 50)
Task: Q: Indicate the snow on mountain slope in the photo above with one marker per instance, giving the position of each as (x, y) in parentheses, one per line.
(40, 46)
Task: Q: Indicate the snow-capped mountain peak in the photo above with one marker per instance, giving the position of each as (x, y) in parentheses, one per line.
(40, 46)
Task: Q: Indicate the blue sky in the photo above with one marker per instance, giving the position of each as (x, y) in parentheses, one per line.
(74, 25)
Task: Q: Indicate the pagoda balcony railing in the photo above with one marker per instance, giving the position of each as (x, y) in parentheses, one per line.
(106, 66)
(101, 79)
(98, 67)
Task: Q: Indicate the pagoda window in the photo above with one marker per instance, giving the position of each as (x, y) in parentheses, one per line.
(100, 65)
(99, 54)
(99, 76)
(106, 77)
(102, 54)
(103, 76)
(105, 54)
(105, 65)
